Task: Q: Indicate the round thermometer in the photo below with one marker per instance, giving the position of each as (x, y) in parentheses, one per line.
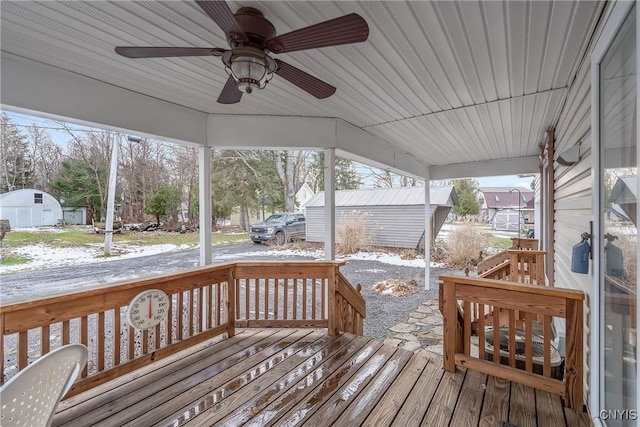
(147, 309)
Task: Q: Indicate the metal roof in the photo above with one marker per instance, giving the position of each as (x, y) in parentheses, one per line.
(441, 82)
(439, 195)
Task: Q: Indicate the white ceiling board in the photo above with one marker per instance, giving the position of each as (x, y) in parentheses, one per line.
(442, 82)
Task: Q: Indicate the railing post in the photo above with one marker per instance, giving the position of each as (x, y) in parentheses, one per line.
(450, 315)
(231, 303)
(574, 364)
(332, 321)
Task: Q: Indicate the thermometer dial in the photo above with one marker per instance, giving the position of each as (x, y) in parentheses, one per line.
(147, 309)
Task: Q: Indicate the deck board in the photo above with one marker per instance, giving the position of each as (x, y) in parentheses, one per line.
(305, 377)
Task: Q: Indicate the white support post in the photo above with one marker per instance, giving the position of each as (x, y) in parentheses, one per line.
(427, 232)
(111, 194)
(329, 204)
(204, 195)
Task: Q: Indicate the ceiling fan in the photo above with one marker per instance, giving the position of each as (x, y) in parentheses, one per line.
(251, 37)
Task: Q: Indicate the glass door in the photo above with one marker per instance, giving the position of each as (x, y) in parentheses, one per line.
(618, 227)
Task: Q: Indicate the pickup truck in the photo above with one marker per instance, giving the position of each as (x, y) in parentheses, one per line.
(279, 228)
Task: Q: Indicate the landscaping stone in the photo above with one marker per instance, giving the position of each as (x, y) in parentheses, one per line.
(404, 328)
(411, 346)
(437, 349)
(406, 337)
(424, 309)
(418, 315)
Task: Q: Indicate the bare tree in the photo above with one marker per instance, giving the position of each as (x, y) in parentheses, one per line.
(47, 158)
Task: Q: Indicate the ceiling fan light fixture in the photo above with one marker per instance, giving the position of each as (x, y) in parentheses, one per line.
(250, 68)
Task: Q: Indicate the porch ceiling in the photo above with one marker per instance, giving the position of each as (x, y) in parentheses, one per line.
(446, 83)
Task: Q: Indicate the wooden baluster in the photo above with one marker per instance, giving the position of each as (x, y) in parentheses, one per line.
(313, 298)
(295, 299)
(180, 314)
(512, 338)
(170, 315)
(23, 350)
(247, 308)
(528, 325)
(276, 299)
(266, 298)
(156, 335)
(256, 298)
(210, 306)
(237, 298)
(190, 312)
(467, 327)
(131, 342)
(84, 338)
(285, 294)
(231, 304)
(481, 338)
(304, 298)
(117, 336)
(45, 337)
(145, 341)
(100, 341)
(323, 297)
(335, 310)
(496, 334)
(546, 338)
(219, 305)
(200, 317)
(65, 332)
(450, 315)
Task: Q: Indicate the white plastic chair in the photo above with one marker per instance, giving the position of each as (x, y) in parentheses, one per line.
(30, 398)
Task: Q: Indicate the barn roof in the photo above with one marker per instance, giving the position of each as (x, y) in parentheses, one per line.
(501, 197)
(439, 195)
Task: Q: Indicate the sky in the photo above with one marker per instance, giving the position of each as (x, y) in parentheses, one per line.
(60, 137)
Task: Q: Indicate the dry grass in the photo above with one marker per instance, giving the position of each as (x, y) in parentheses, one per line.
(628, 243)
(354, 234)
(395, 287)
(464, 245)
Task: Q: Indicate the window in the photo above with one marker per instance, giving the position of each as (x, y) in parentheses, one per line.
(497, 198)
(37, 198)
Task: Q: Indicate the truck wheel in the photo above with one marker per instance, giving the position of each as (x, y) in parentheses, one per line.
(280, 238)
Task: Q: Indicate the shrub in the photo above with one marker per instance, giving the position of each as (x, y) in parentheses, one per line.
(464, 245)
(354, 234)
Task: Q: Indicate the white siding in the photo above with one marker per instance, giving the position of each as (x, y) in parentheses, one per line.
(392, 226)
(573, 193)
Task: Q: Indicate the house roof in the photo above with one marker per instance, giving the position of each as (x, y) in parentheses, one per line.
(409, 196)
(502, 198)
(442, 89)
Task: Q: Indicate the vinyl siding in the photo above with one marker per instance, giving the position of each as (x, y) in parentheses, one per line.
(573, 194)
(391, 226)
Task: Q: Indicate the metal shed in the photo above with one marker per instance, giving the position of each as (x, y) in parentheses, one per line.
(396, 215)
(30, 208)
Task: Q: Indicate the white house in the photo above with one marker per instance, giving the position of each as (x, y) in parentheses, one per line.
(30, 208)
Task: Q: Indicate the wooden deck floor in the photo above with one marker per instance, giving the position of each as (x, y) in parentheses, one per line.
(291, 377)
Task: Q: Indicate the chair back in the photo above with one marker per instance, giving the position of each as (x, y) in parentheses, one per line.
(30, 398)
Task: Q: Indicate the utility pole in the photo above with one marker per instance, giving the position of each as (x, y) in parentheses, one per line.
(111, 194)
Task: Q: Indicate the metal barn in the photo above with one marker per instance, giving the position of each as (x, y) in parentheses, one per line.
(30, 208)
(395, 215)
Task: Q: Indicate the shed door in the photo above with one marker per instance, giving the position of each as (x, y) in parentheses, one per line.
(47, 217)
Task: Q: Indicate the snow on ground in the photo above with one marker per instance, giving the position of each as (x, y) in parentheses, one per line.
(44, 256)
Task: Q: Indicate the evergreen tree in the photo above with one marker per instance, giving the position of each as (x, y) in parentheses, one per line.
(16, 169)
(165, 201)
(466, 190)
(78, 186)
(346, 175)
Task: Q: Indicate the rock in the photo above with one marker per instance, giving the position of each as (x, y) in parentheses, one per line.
(402, 328)
(406, 337)
(392, 342)
(418, 315)
(437, 330)
(411, 346)
(424, 309)
(426, 342)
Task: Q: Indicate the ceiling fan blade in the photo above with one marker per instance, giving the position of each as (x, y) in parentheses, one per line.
(167, 52)
(350, 28)
(304, 81)
(222, 15)
(230, 93)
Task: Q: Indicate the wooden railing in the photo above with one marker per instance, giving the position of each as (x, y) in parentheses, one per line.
(513, 358)
(502, 257)
(205, 303)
